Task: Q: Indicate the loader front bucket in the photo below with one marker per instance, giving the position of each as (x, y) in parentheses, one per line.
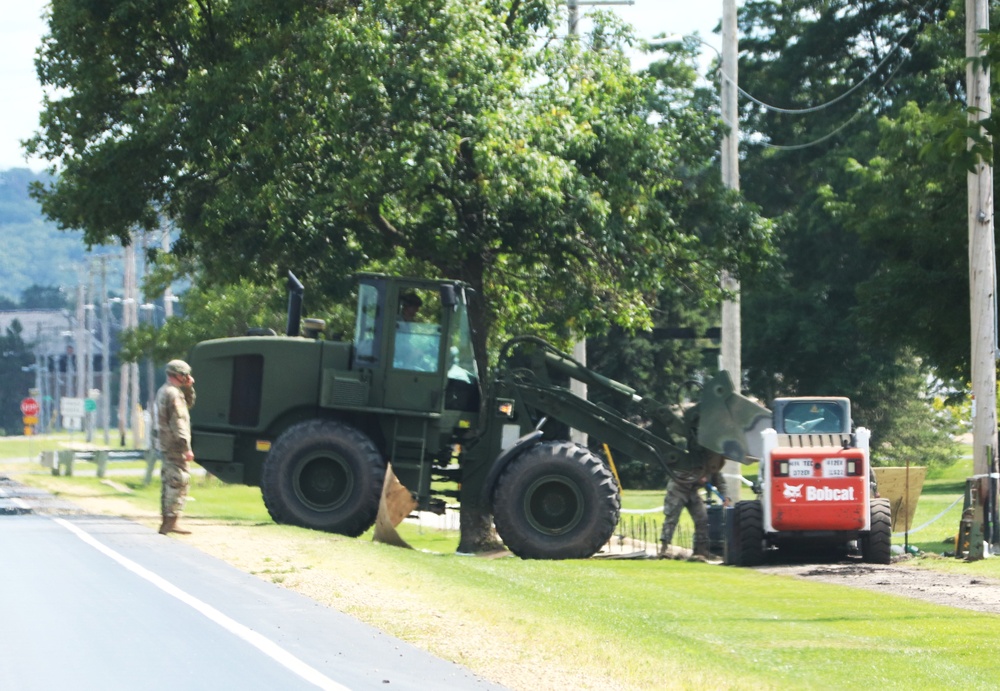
(730, 423)
(394, 505)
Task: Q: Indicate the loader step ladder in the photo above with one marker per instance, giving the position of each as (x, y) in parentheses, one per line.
(410, 452)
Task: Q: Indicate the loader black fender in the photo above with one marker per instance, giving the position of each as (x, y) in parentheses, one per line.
(501, 461)
(325, 475)
(556, 500)
(876, 544)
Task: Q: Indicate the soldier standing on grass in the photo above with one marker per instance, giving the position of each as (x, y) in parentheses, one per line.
(173, 400)
(682, 492)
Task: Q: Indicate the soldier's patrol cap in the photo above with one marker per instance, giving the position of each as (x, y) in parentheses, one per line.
(178, 367)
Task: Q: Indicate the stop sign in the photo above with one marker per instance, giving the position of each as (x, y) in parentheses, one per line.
(29, 407)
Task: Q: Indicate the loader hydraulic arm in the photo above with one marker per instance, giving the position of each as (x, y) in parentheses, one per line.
(536, 375)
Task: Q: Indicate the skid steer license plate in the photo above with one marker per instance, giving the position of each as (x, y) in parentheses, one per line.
(834, 467)
(800, 467)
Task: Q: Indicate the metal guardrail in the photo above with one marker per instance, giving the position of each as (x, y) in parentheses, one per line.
(61, 462)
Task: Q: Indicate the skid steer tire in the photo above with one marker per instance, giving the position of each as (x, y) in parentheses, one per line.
(876, 546)
(324, 475)
(556, 500)
(746, 544)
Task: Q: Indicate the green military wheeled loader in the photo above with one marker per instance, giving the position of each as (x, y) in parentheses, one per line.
(316, 423)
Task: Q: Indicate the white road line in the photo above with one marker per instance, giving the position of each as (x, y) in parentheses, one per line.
(265, 645)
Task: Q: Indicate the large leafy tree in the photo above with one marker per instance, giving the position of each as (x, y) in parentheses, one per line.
(467, 137)
(323, 137)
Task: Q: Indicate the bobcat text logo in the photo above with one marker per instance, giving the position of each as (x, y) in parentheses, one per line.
(793, 492)
(829, 494)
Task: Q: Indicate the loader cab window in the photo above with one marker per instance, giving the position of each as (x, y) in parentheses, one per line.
(463, 378)
(417, 339)
(367, 329)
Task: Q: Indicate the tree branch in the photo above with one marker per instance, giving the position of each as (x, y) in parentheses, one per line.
(512, 15)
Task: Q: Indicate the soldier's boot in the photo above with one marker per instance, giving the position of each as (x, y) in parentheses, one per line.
(169, 525)
(702, 549)
(703, 552)
(664, 551)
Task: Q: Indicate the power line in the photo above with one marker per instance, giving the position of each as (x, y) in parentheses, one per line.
(855, 116)
(875, 70)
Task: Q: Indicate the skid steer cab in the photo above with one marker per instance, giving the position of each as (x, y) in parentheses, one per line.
(815, 489)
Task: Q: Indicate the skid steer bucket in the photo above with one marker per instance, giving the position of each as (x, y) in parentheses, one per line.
(730, 423)
(395, 504)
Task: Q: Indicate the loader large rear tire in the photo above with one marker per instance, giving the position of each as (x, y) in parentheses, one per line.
(876, 546)
(556, 500)
(324, 475)
(746, 543)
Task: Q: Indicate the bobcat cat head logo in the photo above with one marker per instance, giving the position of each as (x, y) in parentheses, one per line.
(793, 492)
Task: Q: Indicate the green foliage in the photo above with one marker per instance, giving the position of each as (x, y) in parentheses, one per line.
(325, 138)
(865, 187)
(15, 359)
(908, 425)
(657, 366)
(901, 205)
(38, 297)
(207, 313)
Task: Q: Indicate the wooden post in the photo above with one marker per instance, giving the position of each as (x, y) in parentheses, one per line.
(982, 255)
(731, 336)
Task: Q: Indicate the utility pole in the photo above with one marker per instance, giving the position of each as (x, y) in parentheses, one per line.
(580, 347)
(79, 338)
(105, 353)
(128, 387)
(982, 259)
(731, 346)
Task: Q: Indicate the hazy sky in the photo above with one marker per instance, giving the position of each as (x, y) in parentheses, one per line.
(21, 29)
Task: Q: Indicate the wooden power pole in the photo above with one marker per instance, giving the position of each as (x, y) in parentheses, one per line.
(580, 346)
(982, 259)
(731, 336)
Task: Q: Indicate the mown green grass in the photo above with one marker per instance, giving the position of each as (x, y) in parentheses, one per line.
(642, 624)
(30, 447)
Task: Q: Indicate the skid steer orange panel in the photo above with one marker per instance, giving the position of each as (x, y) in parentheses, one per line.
(818, 488)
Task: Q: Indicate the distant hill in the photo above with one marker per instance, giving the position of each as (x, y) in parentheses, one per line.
(32, 250)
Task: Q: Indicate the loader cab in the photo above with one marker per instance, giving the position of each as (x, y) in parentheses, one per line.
(414, 337)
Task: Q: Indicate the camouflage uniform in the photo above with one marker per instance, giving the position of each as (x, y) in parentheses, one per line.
(682, 492)
(174, 431)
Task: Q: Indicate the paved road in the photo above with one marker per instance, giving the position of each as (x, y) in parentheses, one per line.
(90, 602)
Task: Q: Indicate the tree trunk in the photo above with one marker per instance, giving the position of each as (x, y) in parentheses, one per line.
(477, 532)
(476, 520)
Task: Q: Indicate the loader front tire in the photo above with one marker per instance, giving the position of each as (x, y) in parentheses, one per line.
(746, 538)
(876, 546)
(556, 500)
(325, 475)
